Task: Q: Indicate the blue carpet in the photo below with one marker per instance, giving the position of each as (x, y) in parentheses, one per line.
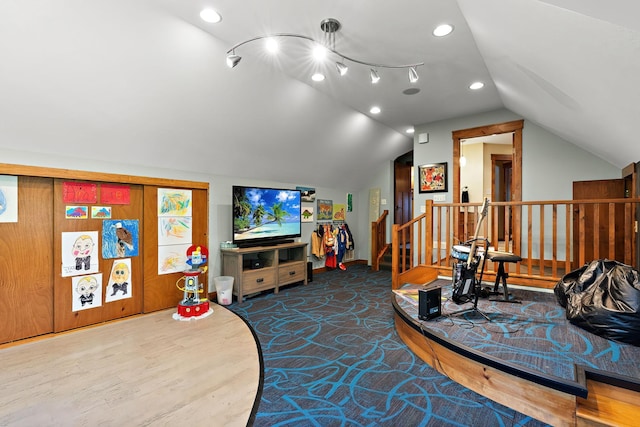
(332, 358)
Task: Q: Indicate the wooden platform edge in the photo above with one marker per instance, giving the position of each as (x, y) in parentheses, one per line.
(613, 400)
(547, 399)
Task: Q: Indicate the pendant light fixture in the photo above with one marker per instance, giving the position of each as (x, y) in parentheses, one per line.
(329, 27)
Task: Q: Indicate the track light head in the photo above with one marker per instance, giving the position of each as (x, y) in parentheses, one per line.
(233, 60)
(413, 75)
(375, 78)
(342, 68)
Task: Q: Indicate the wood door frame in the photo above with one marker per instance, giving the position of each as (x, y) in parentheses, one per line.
(506, 127)
(514, 127)
(502, 158)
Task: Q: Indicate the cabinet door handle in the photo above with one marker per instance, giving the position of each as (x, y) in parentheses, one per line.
(259, 280)
(292, 273)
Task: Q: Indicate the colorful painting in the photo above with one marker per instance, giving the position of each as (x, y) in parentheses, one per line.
(307, 194)
(86, 292)
(114, 194)
(307, 214)
(174, 202)
(325, 210)
(433, 178)
(76, 212)
(339, 212)
(8, 198)
(120, 238)
(101, 212)
(79, 253)
(120, 286)
(79, 192)
(174, 230)
(172, 259)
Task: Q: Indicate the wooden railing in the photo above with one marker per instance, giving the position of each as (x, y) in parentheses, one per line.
(552, 237)
(379, 243)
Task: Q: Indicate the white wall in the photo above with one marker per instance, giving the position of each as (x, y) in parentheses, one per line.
(549, 163)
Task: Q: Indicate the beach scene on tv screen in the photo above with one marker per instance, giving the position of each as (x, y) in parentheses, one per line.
(265, 213)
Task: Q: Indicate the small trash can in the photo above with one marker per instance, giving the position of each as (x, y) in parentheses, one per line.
(224, 289)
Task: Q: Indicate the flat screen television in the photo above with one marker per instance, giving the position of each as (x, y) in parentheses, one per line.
(265, 216)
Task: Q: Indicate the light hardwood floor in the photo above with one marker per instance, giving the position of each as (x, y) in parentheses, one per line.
(146, 370)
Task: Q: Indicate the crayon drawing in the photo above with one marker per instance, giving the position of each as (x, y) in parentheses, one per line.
(100, 212)
(120, 286)
(8, 198)
(174, 230)
(120, 238)
(79, 253)
(86, 292)
(172, 259)
(79, 192)
(174, 202)
(76, 212)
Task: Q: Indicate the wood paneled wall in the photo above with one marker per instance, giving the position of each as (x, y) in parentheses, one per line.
(34, 297)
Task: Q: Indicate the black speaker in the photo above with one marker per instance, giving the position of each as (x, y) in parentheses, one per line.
(309, 272)
(429, 303)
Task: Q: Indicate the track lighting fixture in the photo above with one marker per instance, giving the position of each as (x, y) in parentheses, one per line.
(232, 60)
(375, 78)
(342, 69)
(329, 28)
(413, 75)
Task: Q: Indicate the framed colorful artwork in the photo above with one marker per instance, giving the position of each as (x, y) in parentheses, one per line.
(432, 178)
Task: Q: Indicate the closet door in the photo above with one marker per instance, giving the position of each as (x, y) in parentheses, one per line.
(26, 275)
(74, 308)
(160, 290)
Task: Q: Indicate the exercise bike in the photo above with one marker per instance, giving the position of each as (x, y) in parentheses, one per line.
(469, 267)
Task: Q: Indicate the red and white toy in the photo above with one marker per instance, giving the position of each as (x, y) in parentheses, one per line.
(192, 305)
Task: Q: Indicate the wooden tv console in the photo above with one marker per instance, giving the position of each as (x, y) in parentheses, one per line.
(261, 268)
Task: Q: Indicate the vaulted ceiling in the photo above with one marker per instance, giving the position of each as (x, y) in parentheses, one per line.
(145, 81)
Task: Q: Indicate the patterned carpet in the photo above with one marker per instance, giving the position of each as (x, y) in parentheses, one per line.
(332, 358)
(534, 334)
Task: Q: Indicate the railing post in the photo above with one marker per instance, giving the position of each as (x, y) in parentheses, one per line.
(428, 233)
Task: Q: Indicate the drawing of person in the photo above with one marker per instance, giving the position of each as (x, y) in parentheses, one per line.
(82, 249)
(120, 276)
(86, 288)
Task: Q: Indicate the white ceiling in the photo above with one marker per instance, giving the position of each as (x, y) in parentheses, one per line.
(144, 81)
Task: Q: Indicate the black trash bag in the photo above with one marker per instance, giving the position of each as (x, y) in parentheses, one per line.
(603, 297)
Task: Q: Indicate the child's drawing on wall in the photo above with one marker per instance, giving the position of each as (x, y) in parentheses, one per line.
(120, 238)
(172, 259)
(87, 292)
(174, 202)
(119, 286)
(79, 253)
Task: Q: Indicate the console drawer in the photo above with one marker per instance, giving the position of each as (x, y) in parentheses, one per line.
(291, 272)
(259, 280)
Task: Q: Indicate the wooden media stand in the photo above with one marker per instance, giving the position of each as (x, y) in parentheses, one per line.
(262, 268)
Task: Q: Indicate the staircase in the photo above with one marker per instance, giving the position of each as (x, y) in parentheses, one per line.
(387, 258)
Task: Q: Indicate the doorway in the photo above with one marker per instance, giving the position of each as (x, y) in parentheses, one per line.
(501, 177)
(403, 188)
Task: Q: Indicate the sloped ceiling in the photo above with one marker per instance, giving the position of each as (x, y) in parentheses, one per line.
(144, 82)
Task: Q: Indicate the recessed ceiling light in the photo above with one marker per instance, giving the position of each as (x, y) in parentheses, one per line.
(410, 130)
(476, 85)
(317, 77)
(443, 30)
(375, 110)
(210, 15)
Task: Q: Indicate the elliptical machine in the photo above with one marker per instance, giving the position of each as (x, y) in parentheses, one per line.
(469, 267)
